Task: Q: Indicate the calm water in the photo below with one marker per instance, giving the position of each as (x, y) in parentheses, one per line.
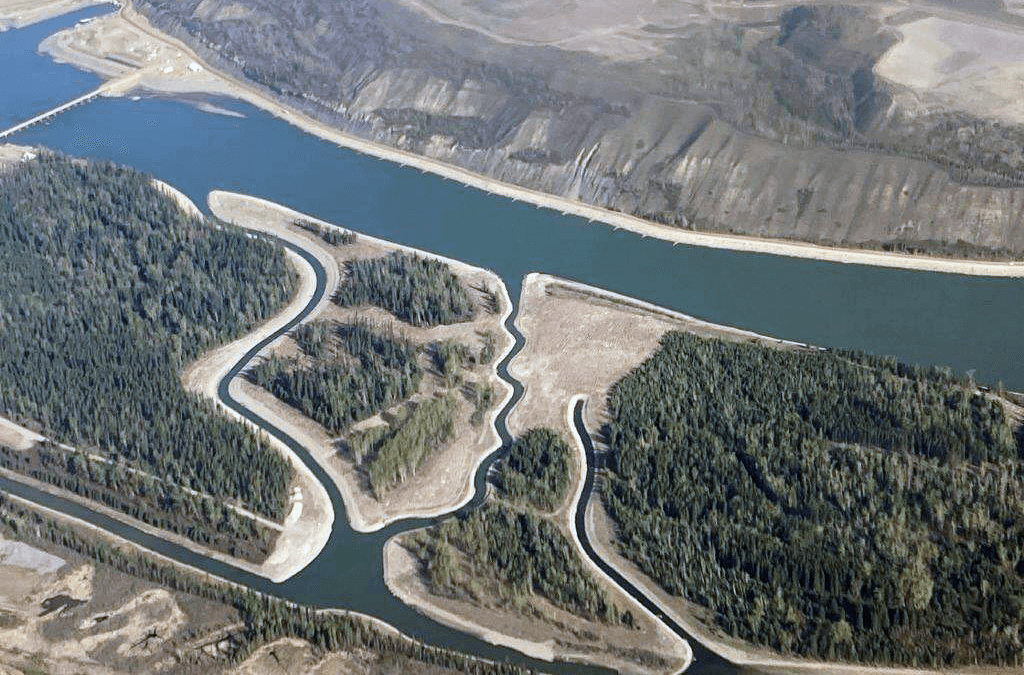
(964, 322)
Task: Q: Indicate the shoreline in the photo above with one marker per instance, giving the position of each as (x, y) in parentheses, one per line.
(123, 543)
(600, 527)
(255, 96)
(22, 16)
(351, 494)
(310, 519)
(396, 557)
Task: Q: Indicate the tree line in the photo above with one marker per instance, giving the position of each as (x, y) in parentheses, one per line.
(536, 470)
(265, 618)
(352, 372)
(390, 454)
(107, 290)
(509, 550)
(821, 503)
(420, 291)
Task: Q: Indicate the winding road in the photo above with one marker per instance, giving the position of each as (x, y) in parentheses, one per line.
(328, 581)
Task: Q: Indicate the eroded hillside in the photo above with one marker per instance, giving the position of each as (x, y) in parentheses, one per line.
(782, 121)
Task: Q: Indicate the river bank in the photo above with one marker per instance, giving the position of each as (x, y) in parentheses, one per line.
(445, 480)
(564, 297)
(307, 527)
(576, 345)
(130, 38)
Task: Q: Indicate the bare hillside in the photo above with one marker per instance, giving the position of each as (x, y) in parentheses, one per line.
(877, 124)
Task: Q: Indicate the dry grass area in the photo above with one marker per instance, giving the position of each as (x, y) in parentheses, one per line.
(616, 30)
(959, 65)
(60, 613)
(445, 480)
(581, 340)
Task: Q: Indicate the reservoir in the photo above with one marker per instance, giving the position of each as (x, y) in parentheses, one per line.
(931, 318)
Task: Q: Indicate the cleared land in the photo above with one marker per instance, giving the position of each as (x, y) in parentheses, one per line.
(126, 43)
(950, 64)
(445, 480)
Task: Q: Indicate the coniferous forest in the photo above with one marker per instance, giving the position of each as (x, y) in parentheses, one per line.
(510, 550)
(826, 504)
(536, 471)
(107, 290)
(357, 370)
(264, 618)
(419, 291)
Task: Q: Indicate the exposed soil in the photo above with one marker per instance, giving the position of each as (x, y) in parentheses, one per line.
(61, 613)
(578, 340)
(749, 180)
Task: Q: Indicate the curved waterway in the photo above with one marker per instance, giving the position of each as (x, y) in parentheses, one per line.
(965, 322)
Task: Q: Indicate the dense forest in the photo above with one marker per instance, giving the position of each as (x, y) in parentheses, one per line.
(827, 504)
(419, 291)
(143, 496)
(536, 470)
(505, 552)
(107, 289)
(264, 618)
(509, 555)
(357, 370)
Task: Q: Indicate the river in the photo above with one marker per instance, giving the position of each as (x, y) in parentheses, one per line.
(930, 318)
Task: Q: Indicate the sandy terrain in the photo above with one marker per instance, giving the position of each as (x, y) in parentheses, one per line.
(11, 153)
(63, 612)
(445, 481)
(21, 13)
(16, 436)
(117, 36)
(959, 65)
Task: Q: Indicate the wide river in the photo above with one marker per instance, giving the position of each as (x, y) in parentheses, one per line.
(964, 322)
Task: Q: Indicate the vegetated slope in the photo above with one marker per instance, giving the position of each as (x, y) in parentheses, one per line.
(726, 125)
(827, 504)
(107, 289)
(510, 551)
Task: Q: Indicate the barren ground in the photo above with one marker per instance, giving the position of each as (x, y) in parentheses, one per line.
(126, 45)
(958, 65)
(446, 479)
(61, 613)
(310, 518)
(578, 340)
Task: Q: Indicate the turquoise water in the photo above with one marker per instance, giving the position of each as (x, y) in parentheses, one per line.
(965, 322)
